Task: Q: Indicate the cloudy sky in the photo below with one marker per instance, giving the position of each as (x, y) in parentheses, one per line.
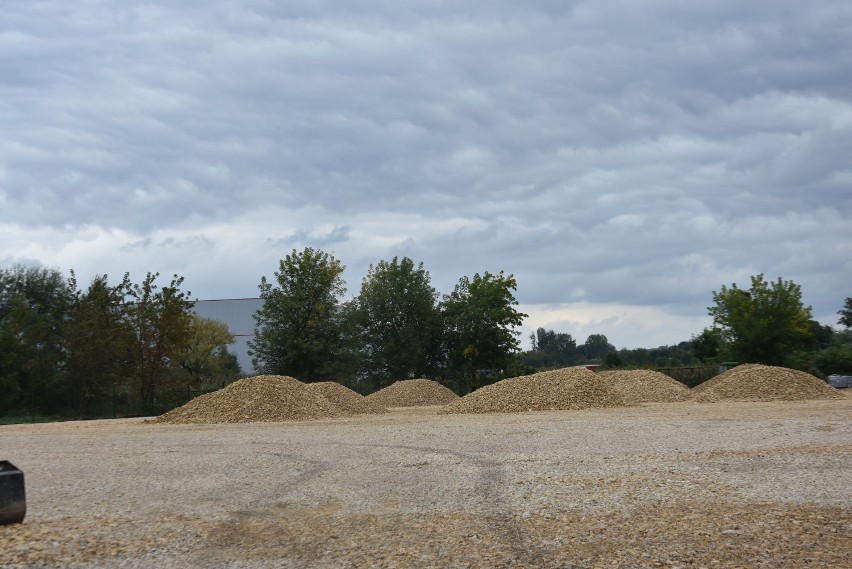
(623, 159)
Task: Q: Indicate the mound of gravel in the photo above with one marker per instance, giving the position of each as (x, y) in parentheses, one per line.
(756, 382)
(645, 386)
(255, 399)
(567, 388)
(412, 393)
(348, 401)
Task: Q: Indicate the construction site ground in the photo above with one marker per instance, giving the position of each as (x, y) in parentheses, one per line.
(726, 484)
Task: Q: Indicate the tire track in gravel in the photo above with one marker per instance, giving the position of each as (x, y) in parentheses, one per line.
(490, 486)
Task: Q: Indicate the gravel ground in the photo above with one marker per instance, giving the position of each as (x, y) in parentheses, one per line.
(731, 484)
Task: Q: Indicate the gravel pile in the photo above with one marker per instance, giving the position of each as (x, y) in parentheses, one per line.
(645, 386)
(260, 398)
(756, 382)
(567, 388)
(345, 399)
(413, 393)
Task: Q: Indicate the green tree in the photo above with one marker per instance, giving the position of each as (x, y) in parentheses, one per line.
(707, 346)
(298, 328)
(612, 360)
(596, 347)
(766, 324)
(398, 323)
(550, 349)
(205, 356)
(837, 357)
(99, 345)
(846, 313)
(480, 320)
(160, 321)
(34, 304)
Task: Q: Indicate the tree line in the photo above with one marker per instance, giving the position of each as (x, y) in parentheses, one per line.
(73, 352)
(767, 323)
(78, 353)
(397, 326)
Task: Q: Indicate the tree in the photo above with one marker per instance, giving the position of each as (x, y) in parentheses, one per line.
(821, 336)
(34, 304)
(613, 360)
(398, 323)
(297, 330)
(205, 356)
(551, 349)
(708, 345)
(99, 343)
(160, 321)
(479, 318)
(846, 313)
(766, 324)
(837, 357)
(596, 347)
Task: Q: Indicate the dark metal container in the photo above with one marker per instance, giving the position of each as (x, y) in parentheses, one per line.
(13, 502)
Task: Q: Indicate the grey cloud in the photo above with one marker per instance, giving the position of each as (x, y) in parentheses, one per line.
(643, 152)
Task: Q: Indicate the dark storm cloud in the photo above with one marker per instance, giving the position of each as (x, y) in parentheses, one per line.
(610, 153)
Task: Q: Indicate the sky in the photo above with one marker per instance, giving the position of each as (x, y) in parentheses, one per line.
(622, 159)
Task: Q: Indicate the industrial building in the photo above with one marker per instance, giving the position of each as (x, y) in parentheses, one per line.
(238, 315)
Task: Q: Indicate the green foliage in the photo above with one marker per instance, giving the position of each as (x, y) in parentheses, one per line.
(398, 323)
(766, 324)
(837, 357)
(160, 321)
(612, 360)
(550, 349)
(821, 336)
(298, 328)
(661, 357)
(65, 352)
(846, 313)
(596, 348)
(34, 303)
(707, 346)
(519, 367)
(99, 343)
(205, 356)
(480, 319)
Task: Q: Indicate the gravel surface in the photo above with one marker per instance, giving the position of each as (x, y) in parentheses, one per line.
(656, 485)
(645, 386)
(257, 398)
(413, 393)
(559, 389)
(756, 382)
(348, 401)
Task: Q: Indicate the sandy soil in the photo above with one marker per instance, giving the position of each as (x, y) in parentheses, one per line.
(661, 485)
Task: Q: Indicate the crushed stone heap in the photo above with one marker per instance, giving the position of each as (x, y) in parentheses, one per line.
(261, 398)
(566, 388)
(413, 393)
(756, 382)
(645, 386)
(348, 401)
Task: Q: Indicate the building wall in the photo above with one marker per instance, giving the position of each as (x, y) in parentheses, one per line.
(237, 314)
